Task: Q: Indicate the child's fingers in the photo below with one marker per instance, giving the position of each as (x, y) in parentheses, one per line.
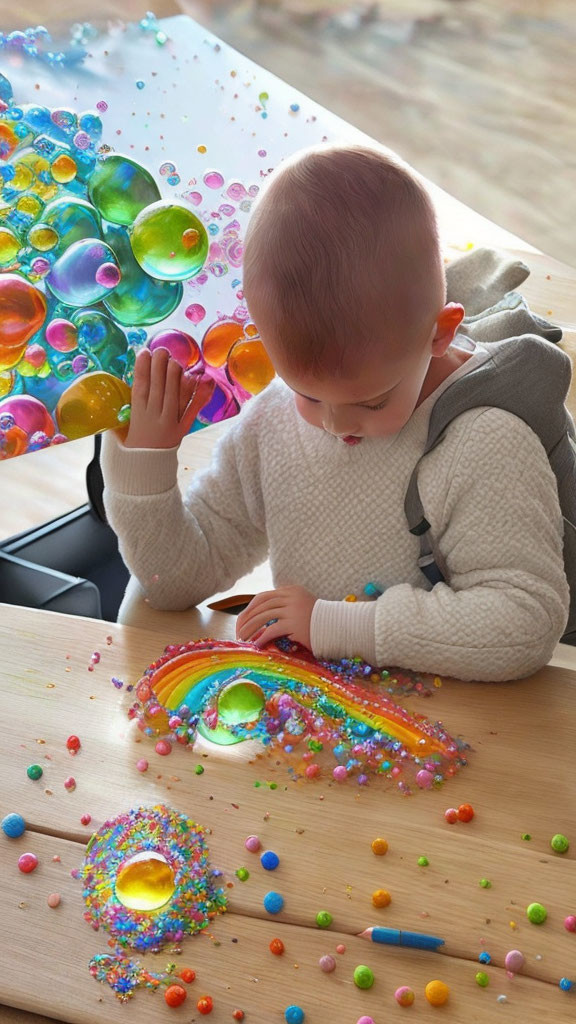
(171, 398)
(141, 382)
(200, 397)
(159, 368)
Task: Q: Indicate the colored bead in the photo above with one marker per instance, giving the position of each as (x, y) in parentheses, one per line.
(363, 976)
(34, 772)
(269, 860)
(536, 913)
(273, 902)
(485, 958)
(175, 995)
(242, 874)
(372, 590)
(13, 825)
(238, 1014)
(565, 984)
(465, 812)
(451, 815)
(340, 773)
(526, 836)
(424, 779)
(502, 999)
(379, 847)
(53, 900)
(485, 883)
(482, 979)
(423, 862)
(381, 898)
(85, 819)
(365, 1020)
(187, 975)
(570, 923)
(323, 919)
(70, 783)
(327, 963)
(73, 743)
(277, 947)
(205, 1005)
(351, 598)
(404, 996)
(340, 948)
(294, 1015)
(163, 747)
(437, 993)
(27, 862)
(252, 844)
(514, 961)
(199, 769)
(559, 843)
(142, 765)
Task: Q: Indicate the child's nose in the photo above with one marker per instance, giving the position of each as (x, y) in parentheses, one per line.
(339, 422)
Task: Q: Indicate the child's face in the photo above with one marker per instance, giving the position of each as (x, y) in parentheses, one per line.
(377, 402)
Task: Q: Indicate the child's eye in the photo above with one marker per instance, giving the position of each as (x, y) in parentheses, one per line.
(375, 408)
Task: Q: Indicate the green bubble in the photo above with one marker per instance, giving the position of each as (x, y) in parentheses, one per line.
(72, 219)
(138, 299)
(240, 702)
(101, 338)
(169, 242)
(120, 188)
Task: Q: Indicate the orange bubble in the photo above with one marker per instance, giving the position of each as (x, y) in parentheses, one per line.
(9, 246)
(8, 140)
(190, 238)
(23, 309)
(15, 442)
(250, 366)
(219, 339)
(64, 169)
(90, 404)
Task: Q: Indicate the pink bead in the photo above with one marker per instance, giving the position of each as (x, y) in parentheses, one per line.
(341, 948)
(253, 844)
(424, 779)
(142, 765)
(86, 819)
(311, 771)
(396, 771)
(70, 783)
(163, 747)
(404, 996)
(27, 862)
(365, 1020)
(570, 923)
(514, 961)
(327, 963)
(53, 899)
(451, 815)
(340, 773)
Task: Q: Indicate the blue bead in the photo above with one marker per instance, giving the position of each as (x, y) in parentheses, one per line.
(565, 984)
(269, 860)
(372, 590)
(294, 1015)
(485, 958)
(13, 825)
(273, 902)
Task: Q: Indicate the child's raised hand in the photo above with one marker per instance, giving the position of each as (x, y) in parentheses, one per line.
(165, 401)
(289, 607)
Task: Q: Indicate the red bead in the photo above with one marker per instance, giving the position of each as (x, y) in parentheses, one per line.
(73, 744)
(238, 1015)
(205, 1005)
(187, 975)
(465, 812)
(277, 947)
(451, 815)
(28, 862)
(85, 819)
(175, 995)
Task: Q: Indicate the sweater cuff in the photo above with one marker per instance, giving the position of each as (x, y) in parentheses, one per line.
(344, 629)
(137, 471)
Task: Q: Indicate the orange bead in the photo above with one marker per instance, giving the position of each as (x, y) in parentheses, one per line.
(277, 947)
(187, 975)
(381, 898)
(205, 1005)
(175, 995)
(379, 847)
(451, 815)
(465, 812)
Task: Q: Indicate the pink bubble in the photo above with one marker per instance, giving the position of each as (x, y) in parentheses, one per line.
(236, 191)
(424, 779)
(108, 275)
(62, 335)
(180, 345)
(213, 179)
(195, 313)
(35, 355)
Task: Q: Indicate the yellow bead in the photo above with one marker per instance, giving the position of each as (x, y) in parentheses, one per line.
(437, 993)
(437, 681)
(350, 597)
(379, 847)
(381, 898)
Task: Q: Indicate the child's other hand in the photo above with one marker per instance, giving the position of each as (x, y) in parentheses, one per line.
(290, 607)
(165, 401)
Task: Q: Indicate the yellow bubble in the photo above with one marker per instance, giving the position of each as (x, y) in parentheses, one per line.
(29, 204)
(91, 403)
(9, 246)
(7, 379)
(64, 169)
(43, 237)
(23, 177)
(145, 881)
(250, 366)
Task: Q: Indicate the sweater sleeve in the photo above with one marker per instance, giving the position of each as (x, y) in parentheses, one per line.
(497, 533)
(184, 549)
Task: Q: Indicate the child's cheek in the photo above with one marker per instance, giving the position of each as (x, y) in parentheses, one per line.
(309, 411)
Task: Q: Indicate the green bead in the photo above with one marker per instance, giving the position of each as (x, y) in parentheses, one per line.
(272, 785)
(243, 874)
(482, 979)
(199, 769)
(559, 843)
(34, 771)
(485, 883)
(323, 919)
(526, 836)
(423, 862)
(363, 977)
(536, 913)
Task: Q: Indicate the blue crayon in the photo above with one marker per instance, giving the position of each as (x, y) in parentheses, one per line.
(394, 937)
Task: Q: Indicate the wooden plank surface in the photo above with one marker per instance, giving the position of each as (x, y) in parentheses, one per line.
(519, 779)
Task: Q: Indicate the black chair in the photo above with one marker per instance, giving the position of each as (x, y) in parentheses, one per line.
(70, 564)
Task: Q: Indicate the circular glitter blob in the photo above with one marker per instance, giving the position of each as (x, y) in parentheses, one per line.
(379, 847)
(437, 993)
(404, 996)
(13, 825)
(559, 843)
(156, 238)
(327, 963)
(536, 913)
(195, 313)
(27, 862)
(514, 961)
(168, 842)
(363, 976)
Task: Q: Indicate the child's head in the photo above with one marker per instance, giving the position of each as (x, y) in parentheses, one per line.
(345, 281)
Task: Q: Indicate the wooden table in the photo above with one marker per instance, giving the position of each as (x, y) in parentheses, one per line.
(520, 779)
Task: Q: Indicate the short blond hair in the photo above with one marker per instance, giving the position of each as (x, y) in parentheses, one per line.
(340, 238)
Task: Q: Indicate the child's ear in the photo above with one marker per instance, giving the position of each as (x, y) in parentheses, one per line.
(447, 324)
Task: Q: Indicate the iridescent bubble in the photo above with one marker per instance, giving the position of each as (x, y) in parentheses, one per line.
(65, 119)
(195, 313)
(64, 169)
(73, 276)
(108, 275)
(43, 237)
(138, 298)
(180, 345)
(29, 414)
(167, 168)
(240, 702)
(62, 335)
(29, 204)
(219, 339)
(23, 313)
(120, 188)
(91, 403)
(9, 246)
(73, 219)
(250, 366)
(213, 179)
(157, 242)
(101, 339)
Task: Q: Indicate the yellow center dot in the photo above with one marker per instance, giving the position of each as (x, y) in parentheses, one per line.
(379, 846)
(64, 169)
(145, 881)
(381, 898)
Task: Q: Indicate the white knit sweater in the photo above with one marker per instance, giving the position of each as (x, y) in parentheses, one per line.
(331, 518)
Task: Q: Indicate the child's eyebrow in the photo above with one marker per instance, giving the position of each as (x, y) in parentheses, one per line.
(366, 401)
